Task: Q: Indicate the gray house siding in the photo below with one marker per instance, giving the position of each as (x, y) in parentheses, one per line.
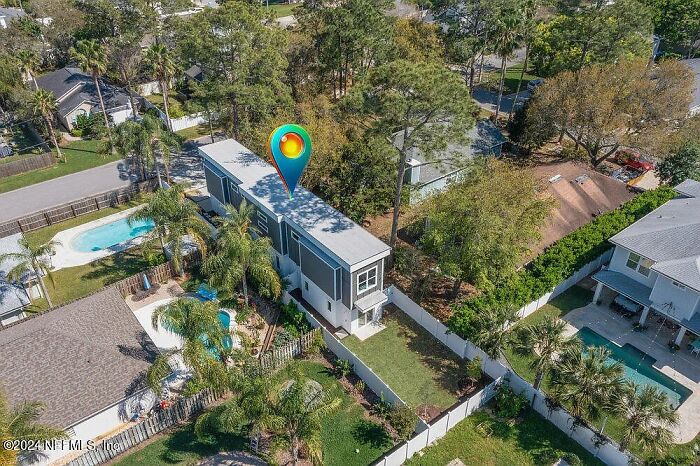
(235, 197)
(322, 274)
(378, 286)
(345, 287)
(214, 184)
(293, 246)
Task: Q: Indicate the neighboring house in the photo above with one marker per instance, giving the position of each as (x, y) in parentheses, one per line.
(429, 176)
(328, 260)
(689, 188)
(85, 360)
(9, 14)
(194, 73)
(694, 64)
(76, 94)
(14, 296)
(656, 263)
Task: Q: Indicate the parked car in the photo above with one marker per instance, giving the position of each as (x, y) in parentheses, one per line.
(634, 160)
(534, 84)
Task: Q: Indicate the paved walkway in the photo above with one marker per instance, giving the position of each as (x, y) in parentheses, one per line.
(187, 166)
(488, 99)
(233, 458)
(68, 188)
(680, 366)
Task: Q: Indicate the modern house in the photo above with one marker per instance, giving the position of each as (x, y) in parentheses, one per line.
(427, 177)
(14, 296)
(77, 95)
(86, 361)
(694, 64)
(656, 263)
(328, 260)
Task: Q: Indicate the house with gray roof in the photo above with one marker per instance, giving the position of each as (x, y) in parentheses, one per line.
(85, 360)
(656, 262)
(8, 15)
(426, 177)
(14, 295)
(694, 64)
(329, 261)
(76, 95)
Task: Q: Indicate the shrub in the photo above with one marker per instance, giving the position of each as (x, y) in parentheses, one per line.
(343, 368)
(474, 371)
(546, 455)
(382, 408)
(558, 262)
(509, 405)
(360, 386)
(403, 420)
(293, 319)
(572, 459)
(282, 338)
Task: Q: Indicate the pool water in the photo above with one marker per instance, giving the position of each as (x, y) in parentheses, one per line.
(638, 366)
(111, 234)
(225, 319)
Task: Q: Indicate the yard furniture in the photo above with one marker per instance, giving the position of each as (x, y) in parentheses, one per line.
(694, 348)
(206, 292)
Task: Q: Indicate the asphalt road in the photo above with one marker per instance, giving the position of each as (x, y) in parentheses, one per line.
(51, 193)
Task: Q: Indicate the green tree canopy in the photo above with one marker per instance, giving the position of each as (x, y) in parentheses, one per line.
(681, 165)
(677, 22)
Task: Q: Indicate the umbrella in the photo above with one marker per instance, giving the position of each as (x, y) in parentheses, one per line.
(146, 284)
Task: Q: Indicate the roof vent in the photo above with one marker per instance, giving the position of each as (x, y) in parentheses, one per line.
(555, 178)
(581, 178)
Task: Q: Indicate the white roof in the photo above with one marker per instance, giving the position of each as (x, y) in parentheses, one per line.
(332, 230)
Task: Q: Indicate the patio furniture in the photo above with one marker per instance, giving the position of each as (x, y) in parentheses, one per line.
(206, 292)
(694, 348)
(625, 305)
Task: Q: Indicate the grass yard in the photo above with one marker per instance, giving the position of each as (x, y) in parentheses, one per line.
(80, 156)
(510, 82)
(343, 432)
(283, 9)
(196, 132)
(420, 369)
(180, 447)
(505, 445)
(22, 141)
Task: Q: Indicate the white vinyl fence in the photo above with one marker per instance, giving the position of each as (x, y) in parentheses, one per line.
(187, 121)
(579, 275)
(609, 453)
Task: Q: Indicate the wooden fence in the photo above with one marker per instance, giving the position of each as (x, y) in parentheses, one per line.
(27, 164)
(63, 212)
(180, 411)
(277, 357)
(158, 274)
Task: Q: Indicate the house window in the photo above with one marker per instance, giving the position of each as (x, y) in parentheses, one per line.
(262, 222)
(367, 280)
(295, 237)
(678, 285)
(306, 286)
(329, 306)
(234, 187)
(639, 263)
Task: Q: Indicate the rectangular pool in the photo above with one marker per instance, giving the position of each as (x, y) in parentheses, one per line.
(638, 366)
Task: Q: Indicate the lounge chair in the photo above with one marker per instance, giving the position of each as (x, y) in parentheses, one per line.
(206, 293)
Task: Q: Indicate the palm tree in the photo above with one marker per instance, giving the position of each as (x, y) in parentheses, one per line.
(197, 323)
(162, 66)
(44, 103)
(126, 56)
(147, 140)
(586, 382)
(648, 416)
(529, 10)
(239, 255)
(33, 260)
(543, 340)
(21, 423)
(29, 62)
(507, 31)
(174, 216)
(92, 58)
(490, 330)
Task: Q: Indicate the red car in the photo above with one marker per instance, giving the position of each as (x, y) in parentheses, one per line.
(634, 160)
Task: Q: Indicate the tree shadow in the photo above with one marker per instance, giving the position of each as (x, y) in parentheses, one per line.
(183, 443)
(371, 433)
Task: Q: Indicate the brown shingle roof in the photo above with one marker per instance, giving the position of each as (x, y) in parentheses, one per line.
(78, 359)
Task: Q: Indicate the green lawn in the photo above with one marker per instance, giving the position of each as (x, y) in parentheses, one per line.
(343, 432)
(420, 369)
(283, 9)
(180, 447)
(196, 132)
(22, 142)
(505, 445)
(510, 82)
(80, 156)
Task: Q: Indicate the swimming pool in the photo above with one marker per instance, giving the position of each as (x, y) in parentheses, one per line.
(110, 234)
(638, 366)
(225, 319)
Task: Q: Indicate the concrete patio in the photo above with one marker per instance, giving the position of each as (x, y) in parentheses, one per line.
(681, 366)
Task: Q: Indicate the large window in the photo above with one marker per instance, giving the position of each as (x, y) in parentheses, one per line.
(367, 280)
(262, 223)
(639, 263)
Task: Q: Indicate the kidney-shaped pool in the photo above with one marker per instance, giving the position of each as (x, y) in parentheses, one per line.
(110, 234)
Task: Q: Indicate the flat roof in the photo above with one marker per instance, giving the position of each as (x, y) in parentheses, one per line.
(331, 229)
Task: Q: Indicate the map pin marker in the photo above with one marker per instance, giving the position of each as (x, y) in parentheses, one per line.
(289, 148)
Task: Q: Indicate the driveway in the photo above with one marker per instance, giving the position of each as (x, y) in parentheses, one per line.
(68, 188)
(488, 99)
(187, 166)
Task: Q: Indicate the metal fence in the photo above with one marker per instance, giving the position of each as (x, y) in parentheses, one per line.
(180, 411)
(74, 209)
(27, 164)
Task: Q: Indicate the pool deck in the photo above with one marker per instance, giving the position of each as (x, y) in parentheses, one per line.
(66, 256)
(681, 366)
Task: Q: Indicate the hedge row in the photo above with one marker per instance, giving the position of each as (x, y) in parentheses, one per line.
(559, 261)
